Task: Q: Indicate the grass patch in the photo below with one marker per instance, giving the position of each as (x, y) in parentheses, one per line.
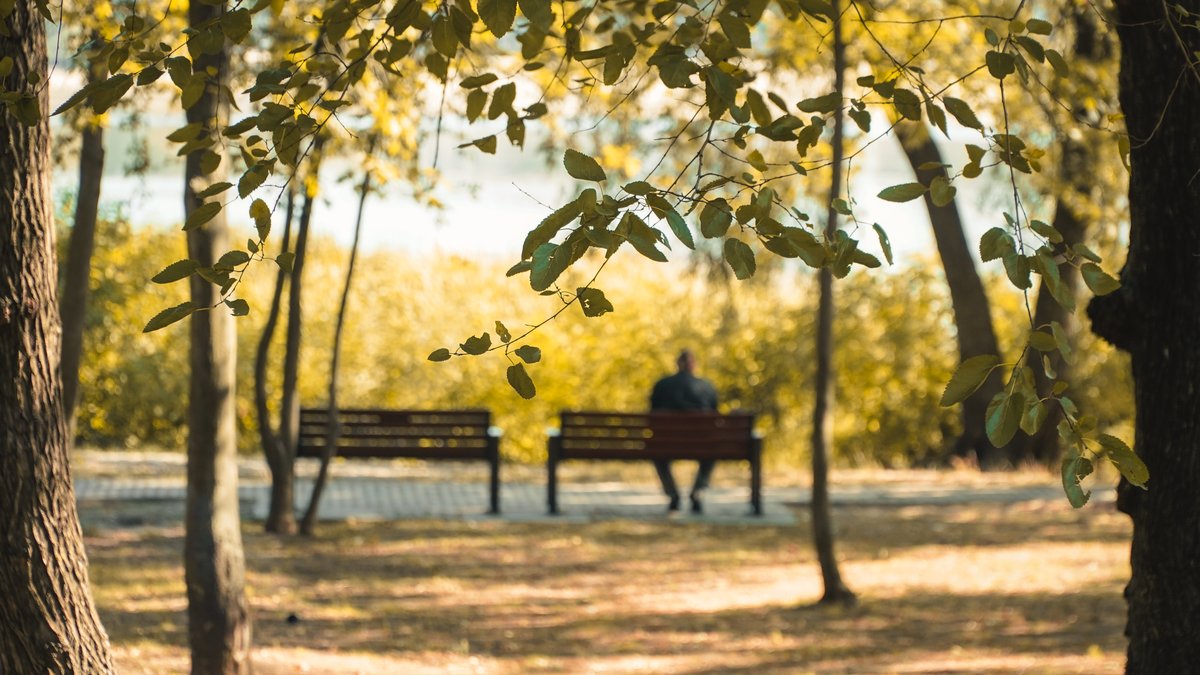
(1033, 587)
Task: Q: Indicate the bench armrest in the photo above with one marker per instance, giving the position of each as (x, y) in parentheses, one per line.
(495, 432)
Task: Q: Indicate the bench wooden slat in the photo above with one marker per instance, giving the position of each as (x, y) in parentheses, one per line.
(455, 435)
(604, 435)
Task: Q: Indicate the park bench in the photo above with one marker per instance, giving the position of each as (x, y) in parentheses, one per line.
(597, 435)
(459, 435)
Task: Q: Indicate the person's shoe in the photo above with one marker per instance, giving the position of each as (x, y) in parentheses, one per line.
(674, 505)
(697, 505)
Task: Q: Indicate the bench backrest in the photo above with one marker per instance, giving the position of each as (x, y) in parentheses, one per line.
(656, 435)
(450, 434)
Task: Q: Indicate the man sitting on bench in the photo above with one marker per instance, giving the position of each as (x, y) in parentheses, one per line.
(683, 392)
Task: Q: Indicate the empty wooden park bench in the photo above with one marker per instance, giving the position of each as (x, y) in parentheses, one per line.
(459, 435)
(598, 435)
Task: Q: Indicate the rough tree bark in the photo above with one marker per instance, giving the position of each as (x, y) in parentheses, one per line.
(1155, 317)
(73, 304)
(972, 312)
(1076, 162)
(214, 564)
(267, 434)
(333, 433)
(281, 516)
(46, 611)
(822, 431)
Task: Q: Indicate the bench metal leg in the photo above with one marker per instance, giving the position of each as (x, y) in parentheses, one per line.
(756, 478)
(552, 482)
(495, 484)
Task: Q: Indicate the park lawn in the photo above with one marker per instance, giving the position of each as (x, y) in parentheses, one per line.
(1029, 588)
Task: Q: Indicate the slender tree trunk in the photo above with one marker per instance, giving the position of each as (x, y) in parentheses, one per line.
(1078, 157)
(334, 431)
(272, 444)
(972, 312)
(822, 428)
(1155, 317)
(281, 518)
(48, 623)
(73, 305)
(214, 565)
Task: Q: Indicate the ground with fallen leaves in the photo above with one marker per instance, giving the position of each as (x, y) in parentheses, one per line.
(1033, 587)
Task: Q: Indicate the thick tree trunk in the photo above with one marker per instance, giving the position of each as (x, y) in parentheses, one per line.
(272, 444)
(214, 565)
(281, 517)
(1076, 162)
(48, 623)
(822, 427)
(1155, 317)
(334, 432)
(972, 312)
(73, 305)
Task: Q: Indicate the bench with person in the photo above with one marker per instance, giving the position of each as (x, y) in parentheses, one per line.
(661, 436)
(459, 435)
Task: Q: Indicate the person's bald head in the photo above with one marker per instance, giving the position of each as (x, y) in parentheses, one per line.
(686, 361)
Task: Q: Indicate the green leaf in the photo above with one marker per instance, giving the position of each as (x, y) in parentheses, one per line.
(1039, 27)
(498, 15)
(1033, 418)
(1004, 417)
(1017, 268)
(593, 302)
(1127, 462)
(252, 179)
(76, 98)
(528, 353)
(169, 316)
(638, 187)
(1074, 469)
(904, 192)
(261, 214)
(487, 144)
(180, 269)
(519, 380)
(1046, 231)
(715, 218)
(581, 166)
(1042, 341)
(941, 192)
(475, 102)
(549, 227)
(107, 93)
(476, 81)
(503, 333)
(236, 24)
(238, 306)
(477, 345)
(201, 215)
(821, 104)
(968, 377)
(884, 243)
(1099, 281)
(539, 12)
(740, 257)
(1058, 63)
(1000, 64)
(213, 190)
(437, 355)
(995, 244)
(963, 113)
(285, 261)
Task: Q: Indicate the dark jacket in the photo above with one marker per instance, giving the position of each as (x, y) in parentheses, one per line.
(683, 391)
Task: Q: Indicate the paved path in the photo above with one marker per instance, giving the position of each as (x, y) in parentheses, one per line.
(381, 492)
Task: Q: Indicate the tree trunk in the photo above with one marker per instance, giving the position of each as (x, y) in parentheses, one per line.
(972, 312)
(1078, 156)
(822, 431)
(281, 518)
(73, 305)
(272, 444)
(334, 431)
(1154, 316)
(214, 565)
(46, 611)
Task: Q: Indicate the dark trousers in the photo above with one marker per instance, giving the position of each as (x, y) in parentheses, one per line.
(703, 475)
